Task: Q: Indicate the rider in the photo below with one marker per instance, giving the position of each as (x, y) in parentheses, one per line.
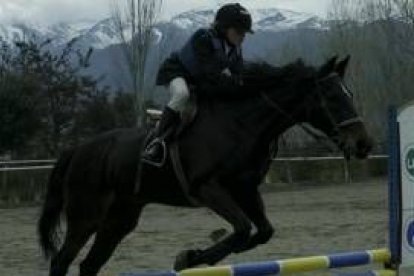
(211, 61)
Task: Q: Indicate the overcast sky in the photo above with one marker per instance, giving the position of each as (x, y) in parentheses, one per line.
(52, 11)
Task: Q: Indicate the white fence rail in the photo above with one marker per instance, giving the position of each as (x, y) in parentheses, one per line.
(29, 168)
(324, 158)
(26, 165)
(14, 165)
(17, 162)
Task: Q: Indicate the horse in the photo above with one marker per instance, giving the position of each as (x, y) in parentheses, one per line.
(101, 186)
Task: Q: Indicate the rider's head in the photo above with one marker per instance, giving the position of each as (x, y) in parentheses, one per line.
(233, 21)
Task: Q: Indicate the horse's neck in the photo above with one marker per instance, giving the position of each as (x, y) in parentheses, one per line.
(258, 119)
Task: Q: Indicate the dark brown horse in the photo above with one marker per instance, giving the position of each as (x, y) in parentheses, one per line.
(101, 186)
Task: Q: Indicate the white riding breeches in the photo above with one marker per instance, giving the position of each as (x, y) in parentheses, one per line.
(179, 94)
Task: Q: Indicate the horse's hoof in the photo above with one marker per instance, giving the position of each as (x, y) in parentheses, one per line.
(185, 259)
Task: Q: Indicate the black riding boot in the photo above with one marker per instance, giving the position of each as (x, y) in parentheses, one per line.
(154, 153)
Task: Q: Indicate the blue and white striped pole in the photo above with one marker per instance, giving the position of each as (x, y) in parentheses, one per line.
(283, 267)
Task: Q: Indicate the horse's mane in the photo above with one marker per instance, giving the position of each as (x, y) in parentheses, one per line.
(263, 74)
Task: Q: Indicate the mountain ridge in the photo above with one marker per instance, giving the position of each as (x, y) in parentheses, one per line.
(103, 33)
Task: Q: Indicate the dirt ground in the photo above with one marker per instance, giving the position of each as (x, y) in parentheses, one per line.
(309, 220)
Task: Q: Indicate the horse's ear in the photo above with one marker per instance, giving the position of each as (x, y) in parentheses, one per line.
(342, 65)
(328, 67)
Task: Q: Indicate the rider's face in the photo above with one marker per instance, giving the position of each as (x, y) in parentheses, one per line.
(235, 36)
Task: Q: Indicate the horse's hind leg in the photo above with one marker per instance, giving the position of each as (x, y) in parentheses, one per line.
(122, 218)
(83, 215)
(78, 233)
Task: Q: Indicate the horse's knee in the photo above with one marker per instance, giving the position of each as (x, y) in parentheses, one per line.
(242, 235)
(264, 235)
(243, 231)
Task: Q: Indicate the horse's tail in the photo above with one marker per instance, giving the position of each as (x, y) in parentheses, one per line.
(49, 221)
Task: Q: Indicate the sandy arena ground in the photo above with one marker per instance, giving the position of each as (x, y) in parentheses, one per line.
(308, 220)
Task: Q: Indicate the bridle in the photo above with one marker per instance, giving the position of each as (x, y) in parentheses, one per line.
(336, 126)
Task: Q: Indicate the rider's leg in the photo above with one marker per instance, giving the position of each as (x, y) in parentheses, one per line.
(169, 121)
(180, 93)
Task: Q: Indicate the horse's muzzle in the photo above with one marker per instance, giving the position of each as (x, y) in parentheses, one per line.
(354, 140)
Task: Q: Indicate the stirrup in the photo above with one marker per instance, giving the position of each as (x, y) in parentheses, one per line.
(164, 153)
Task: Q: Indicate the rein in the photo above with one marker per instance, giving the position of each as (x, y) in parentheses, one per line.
(317, 135)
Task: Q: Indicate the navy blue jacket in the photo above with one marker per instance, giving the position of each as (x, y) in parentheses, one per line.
(201, 62)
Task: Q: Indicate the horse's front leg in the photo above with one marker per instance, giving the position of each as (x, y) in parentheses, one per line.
(251, 202)
(218, 199)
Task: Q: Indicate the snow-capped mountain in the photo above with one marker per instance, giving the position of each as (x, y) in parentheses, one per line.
(271, 19)
(98, 35)
(103, 33)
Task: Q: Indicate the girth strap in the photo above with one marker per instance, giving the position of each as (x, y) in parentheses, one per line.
(179, 171)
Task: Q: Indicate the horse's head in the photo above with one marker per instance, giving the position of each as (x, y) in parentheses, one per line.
(332, 111)
(297, 93)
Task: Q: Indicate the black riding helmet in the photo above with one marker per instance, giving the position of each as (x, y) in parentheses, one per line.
(233, 16)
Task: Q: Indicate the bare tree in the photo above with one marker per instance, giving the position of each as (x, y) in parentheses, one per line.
(134, 23)
(167, 42)
(396, 17)
(405, 36)
(379, 34)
